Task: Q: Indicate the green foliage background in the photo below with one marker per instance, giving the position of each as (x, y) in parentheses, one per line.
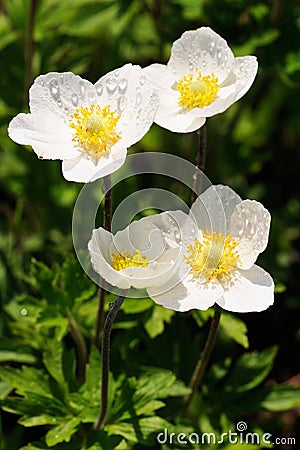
(254, 147)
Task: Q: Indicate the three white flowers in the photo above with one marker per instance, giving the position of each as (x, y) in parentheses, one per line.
(90, 127)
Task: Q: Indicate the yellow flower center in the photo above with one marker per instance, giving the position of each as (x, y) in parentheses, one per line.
(125, 259)
(215, 258)
(95, 129)
(197, 91)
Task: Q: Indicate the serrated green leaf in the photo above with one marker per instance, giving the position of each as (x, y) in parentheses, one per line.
(62, 432)
(250, 370)
(25, 358)
(5, 389)
(27, 380)
(281, 398)
(143, 430)
(235, 328)
(155, 322)
(53, 360)
(33, 421)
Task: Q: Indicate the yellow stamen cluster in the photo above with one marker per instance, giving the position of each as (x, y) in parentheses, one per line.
(215, 258)
(125, 259)
(197, 91)
(95, 129)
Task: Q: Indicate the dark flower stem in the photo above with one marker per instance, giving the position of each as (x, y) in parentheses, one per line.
(81, 348)
(107, 226)
(200, 162)
(105, 351)
(204, 358)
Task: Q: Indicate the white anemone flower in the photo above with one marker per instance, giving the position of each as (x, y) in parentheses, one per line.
(87, 126)
(201, 79)
(142, 255)
(218, 265)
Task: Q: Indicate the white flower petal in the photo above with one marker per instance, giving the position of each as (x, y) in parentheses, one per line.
(140, 235)
(61, 93)
(253, 290)
(250, 226)
(213, 208)
(98, 247)
(85, 170)
(48, 135)
(185, 294)
(245, 69)
(203, 49)
(131, 95)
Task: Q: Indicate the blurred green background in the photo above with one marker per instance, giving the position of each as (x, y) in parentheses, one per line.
(254, 146)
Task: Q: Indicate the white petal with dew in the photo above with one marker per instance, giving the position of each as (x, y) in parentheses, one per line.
(251, 290)
(98, 247)
(185, 294)
(48, 135)
(250, 226)
(85, 170)
(203, 49)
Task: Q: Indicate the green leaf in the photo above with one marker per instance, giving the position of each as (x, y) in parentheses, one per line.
(250, 370)
(53, 360)
(135, 306)
(142, 430)
(235, 328)
(62, 432)
(281, 398)
(18, 357)
(155, 323)
(27, 380)
(5, 389)
(33, 421)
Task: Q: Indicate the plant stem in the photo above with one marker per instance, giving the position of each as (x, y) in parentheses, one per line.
(204, 358)
(105, 350)
(81, 348)
(29, 47)
(107, 226)
(200, 162)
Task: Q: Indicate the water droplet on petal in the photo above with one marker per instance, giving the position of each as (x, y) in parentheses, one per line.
(74, 99)
(138, 99)
(111, 85)
(54, 89)
(121, 103)
(191, 66)
(99, 89)
(91, 96)
(66, 110)
(82, 89)
(143, 80)
(123, 86)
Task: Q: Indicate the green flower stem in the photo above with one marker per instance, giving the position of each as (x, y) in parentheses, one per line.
(82, 355)
(107, 189)
(203, 360)
(105, 350)
(200, 162)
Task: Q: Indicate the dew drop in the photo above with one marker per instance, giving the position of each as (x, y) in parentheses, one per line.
(74, 99)
(59, 102)
(138, 99)
(111, 85)
(54, 89)
(99, 89)
(91, 96)
(24, 312)
(143, 80)
(123, 86)
(66, 110)
(62, 80)
(191, 66)
(40, 157)
(121, 103)
(82, 89)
